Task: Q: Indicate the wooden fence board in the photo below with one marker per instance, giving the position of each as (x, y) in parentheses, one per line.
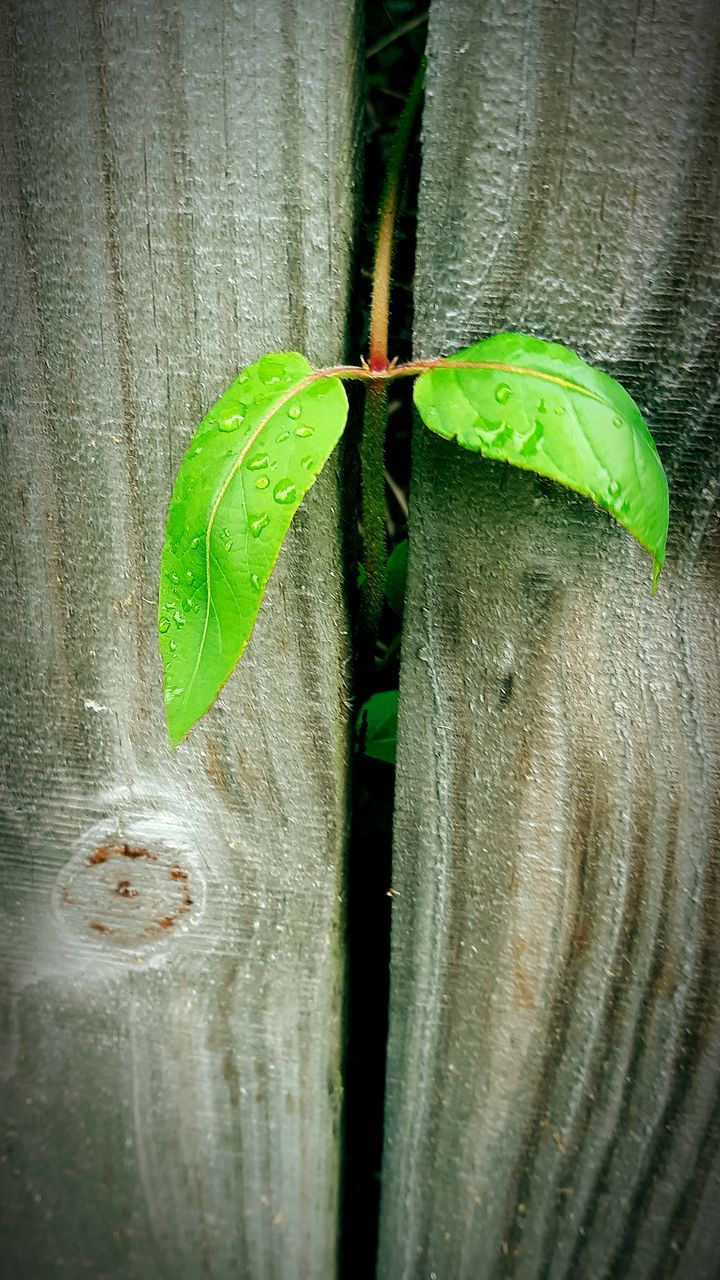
(177, 198)
(554, 1057)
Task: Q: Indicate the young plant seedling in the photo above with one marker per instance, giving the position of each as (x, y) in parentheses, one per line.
(254, 456)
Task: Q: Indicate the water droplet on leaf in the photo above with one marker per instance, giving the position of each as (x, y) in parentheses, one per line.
(262, 482)
(255, 582)
(613, 489)
(303, 432)
(284, 491)
(272, 369)
(319, 388)
(294, 411)
(284, 435)
(164, 625)
(258, 463)
(502, 392)
(232, 422)
(533, 442)
(260, 523)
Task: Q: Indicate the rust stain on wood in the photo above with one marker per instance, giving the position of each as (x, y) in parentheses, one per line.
(124, 850)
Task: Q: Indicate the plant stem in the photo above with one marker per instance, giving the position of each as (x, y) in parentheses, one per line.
(384, 243)
(412, 368)
(372, 476)
(375, 418)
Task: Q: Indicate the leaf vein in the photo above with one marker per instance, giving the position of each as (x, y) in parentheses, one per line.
(251, 440)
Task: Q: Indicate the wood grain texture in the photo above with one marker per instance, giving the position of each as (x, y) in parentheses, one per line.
(554, 1057)
(177, 198)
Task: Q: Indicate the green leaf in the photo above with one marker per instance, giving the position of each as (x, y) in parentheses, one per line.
(538, 406)
(249, 465)
(378, 719)
(396, 576)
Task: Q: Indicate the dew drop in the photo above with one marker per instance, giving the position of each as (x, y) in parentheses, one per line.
(613, 489)
(272, 369)
(164, 625)
(303, 432)
(195, 452)
(541, 406)
(232, 422)
(284, 435)
(175, 577)
(260, 523)
(503, 434)
(494, 432)
(189, 575)
(196, 541)
(308, 463)
(262, 482)
(284, 491)
(255, 582)
(187, 605)
(172, 646)
(179, 620)
(533, 442)
(258, 463)
(559, 408)
(617, 422)
(320, 388)
(502, 392)
(294, 411)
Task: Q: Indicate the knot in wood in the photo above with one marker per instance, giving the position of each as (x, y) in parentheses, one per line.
(125, 892)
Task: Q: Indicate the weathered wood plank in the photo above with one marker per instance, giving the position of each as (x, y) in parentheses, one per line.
(177, 198)
(554, 1063)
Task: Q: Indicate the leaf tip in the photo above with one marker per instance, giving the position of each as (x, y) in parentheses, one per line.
(177, 727)
(175, 735)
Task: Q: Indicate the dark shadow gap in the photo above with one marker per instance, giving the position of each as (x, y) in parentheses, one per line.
(394, 40)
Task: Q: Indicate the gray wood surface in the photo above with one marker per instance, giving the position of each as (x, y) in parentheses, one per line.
(177, 198)
(554, 1061)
